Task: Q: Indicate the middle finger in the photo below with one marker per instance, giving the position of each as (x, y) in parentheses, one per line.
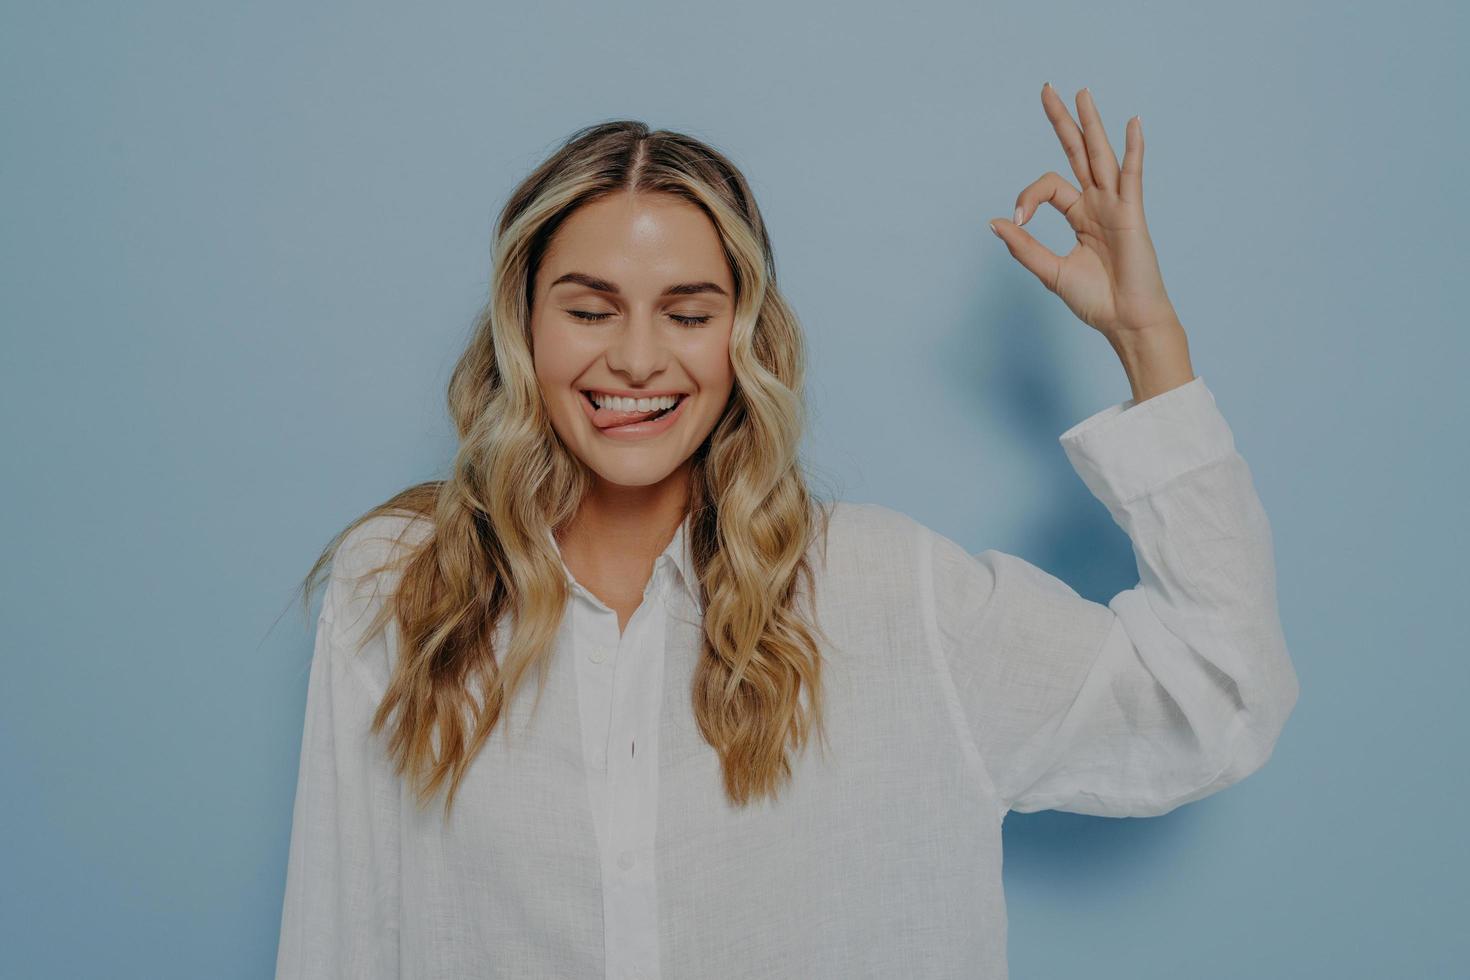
(1099, 152)
(1068, 133)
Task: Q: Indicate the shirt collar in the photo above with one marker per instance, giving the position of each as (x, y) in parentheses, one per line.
(677, 554)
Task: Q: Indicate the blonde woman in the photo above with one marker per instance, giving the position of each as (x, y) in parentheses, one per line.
(683, 718)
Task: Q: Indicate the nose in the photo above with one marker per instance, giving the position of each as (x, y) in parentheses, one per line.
(637, 349)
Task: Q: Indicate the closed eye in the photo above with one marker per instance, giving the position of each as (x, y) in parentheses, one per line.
(688, 321)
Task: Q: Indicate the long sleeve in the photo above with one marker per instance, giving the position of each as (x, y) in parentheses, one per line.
(1178, 687)
(339, 918)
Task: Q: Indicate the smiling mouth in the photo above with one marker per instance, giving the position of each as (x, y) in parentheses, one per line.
(677, 402)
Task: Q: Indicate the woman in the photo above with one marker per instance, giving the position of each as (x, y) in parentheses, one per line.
(627, 515)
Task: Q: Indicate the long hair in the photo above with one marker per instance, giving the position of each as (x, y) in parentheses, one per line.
(487, 555)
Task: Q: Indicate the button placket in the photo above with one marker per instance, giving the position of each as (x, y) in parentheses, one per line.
(603, 653)
(630, 912)
(619, 699)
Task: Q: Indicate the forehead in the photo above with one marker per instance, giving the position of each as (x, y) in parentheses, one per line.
(639, 241)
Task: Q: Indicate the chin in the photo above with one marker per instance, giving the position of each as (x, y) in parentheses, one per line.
(634, 476)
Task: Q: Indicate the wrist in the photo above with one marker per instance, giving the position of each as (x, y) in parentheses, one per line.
(1156, 359)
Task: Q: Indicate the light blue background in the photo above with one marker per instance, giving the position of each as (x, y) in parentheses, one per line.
(244, 244)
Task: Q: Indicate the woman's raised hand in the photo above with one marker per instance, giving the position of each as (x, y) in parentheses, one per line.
(1111, 280)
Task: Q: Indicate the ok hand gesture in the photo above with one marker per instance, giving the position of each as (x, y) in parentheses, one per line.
(1111, 280)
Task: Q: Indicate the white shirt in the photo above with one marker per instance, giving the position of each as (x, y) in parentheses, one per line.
(598, 842)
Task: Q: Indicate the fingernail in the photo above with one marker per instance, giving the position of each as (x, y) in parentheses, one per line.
(1018, 216)
(995, 229)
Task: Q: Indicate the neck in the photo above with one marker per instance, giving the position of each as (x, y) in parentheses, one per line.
(619, 526)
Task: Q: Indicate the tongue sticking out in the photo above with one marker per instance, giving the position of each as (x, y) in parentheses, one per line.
(606, 418)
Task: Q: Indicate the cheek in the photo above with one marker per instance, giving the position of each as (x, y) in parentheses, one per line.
(711, 361)
(554, 372)
(554, 356)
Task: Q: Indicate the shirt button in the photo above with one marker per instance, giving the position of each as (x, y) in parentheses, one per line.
(625, 860)
(598, 655)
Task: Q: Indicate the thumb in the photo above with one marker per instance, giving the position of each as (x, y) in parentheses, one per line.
(1043, 263)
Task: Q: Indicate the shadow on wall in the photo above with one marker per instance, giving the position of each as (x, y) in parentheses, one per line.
(1006, 355)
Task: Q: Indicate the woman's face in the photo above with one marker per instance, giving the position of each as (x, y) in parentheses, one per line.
(634, 297)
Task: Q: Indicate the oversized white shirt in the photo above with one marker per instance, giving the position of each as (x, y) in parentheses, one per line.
(597, 841)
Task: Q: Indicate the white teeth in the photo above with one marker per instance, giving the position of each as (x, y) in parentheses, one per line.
(617, 404)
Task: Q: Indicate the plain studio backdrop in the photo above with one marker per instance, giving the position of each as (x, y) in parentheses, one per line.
(243, 245)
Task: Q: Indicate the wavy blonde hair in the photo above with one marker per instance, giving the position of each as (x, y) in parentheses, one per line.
(751, 514)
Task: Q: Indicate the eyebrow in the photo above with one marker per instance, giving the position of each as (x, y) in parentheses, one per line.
(603, 286)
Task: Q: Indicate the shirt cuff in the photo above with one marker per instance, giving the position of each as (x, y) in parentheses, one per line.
(1129, 449)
